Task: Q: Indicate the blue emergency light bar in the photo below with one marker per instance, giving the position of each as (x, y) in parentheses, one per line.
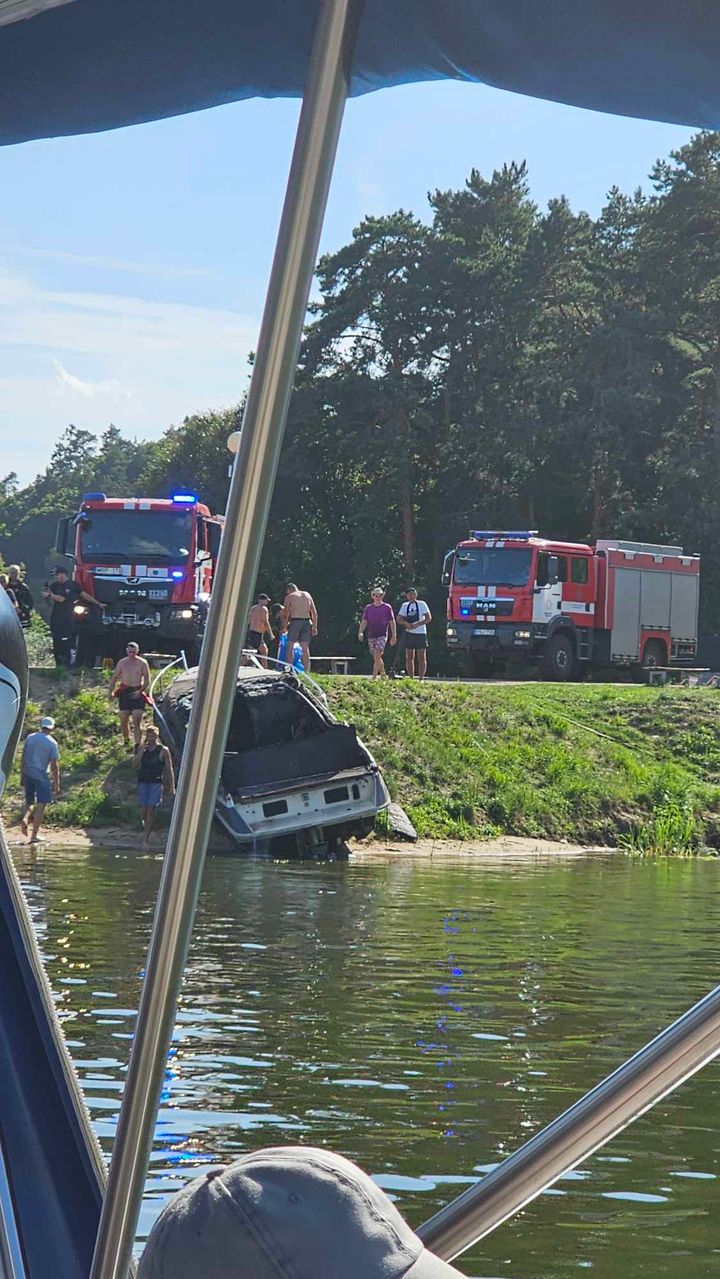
(516, 535)
(94, 497)
(188, 499)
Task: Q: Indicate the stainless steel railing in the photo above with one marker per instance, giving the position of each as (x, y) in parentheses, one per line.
(247, 511)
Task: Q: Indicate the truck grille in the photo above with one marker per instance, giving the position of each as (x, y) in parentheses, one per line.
(131, 620)
(470, 606)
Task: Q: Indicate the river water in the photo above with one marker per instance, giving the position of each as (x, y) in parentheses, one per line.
(424, 1018)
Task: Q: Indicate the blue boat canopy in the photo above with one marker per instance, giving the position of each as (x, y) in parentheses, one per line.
(78, 66)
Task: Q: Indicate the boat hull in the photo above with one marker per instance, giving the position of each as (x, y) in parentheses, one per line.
(290, 770)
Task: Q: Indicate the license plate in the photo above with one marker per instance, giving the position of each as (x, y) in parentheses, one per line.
(132, 593)
(484, 630)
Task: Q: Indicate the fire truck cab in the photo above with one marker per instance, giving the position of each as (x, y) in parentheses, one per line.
(151, 562)
(570, 606)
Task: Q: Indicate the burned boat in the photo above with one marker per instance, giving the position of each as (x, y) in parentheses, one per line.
(293, 777)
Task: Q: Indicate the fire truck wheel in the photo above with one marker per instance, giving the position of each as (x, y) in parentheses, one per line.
(558, 661)
(654, 654)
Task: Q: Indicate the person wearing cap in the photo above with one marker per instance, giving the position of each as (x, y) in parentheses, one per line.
(286, 1213)
(64, 595)
(378, 622)
(40, 754)
(413, 617)
(258, 626)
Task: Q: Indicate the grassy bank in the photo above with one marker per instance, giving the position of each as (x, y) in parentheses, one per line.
(591, 764)
(98, 779)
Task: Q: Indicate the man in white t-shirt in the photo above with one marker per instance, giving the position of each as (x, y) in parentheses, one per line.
(413, 617)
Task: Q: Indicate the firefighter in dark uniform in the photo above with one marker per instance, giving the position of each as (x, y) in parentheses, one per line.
(64, 595)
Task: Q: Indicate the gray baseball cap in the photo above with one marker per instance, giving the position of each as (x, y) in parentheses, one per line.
(289, 1212)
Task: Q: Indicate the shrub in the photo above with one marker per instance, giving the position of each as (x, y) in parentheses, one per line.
(672, 828)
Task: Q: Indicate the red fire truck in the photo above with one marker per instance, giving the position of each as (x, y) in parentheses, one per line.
(572, 607)
(151, 562)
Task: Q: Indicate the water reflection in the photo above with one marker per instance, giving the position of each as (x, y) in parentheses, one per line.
(423, 1018)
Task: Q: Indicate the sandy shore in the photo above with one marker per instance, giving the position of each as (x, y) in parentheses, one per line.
(509, 846)
(115, 838)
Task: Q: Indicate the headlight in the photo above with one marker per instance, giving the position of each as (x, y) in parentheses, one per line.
(186, 614)
(79, 610)
(522, 635)
(452, 630)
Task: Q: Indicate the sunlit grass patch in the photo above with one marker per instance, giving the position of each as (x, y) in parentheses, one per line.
(582, 763)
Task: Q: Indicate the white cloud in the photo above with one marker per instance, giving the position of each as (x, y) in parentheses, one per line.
(94, 358)
(99, 323)
(13, 289)
(70, 382)
(158, 270)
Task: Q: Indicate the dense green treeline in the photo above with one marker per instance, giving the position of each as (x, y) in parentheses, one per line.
(500, 365)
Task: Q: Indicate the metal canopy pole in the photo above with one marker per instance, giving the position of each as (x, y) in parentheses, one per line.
(248, 505)
(658, 1068)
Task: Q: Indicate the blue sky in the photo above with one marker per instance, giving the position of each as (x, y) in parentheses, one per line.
(133, 264)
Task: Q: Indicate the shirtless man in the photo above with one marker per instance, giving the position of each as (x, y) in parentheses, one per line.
(258, 627)
(132, 678)
(300, 620)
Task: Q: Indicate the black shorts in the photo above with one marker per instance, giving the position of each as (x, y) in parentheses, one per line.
(131, 699)
(415, 641)
(254, 639)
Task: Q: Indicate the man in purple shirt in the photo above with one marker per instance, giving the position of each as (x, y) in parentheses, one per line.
(378, 620)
